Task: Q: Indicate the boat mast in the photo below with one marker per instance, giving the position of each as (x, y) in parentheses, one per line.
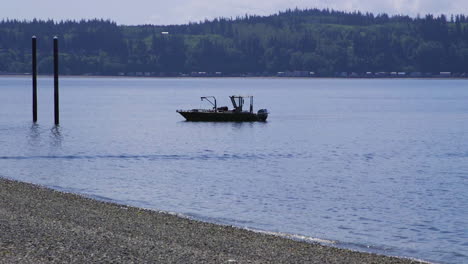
(233, 100)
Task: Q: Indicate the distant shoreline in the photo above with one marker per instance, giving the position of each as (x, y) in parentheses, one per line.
(230, 77)
(43, 225)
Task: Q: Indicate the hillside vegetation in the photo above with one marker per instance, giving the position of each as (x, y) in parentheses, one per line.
(322, 41)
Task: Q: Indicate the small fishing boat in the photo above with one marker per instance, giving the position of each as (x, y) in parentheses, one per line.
(223, 113)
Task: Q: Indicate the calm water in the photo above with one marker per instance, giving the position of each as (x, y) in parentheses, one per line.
(374, 165)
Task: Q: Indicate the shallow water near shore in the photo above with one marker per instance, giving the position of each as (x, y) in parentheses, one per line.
(374, 165)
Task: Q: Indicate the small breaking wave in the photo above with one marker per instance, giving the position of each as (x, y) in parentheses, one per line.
(294, 236)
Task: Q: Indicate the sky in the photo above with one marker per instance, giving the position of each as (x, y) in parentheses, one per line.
(159, 12)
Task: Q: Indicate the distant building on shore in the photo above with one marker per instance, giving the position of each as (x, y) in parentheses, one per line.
(445, 74)
(295, 74)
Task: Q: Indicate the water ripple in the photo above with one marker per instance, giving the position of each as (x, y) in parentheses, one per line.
(155, 157)
(457, 155)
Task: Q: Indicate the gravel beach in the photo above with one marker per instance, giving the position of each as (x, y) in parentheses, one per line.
(40, 225)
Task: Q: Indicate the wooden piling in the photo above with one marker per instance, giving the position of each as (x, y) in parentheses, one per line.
(34, 79)
(56, 82)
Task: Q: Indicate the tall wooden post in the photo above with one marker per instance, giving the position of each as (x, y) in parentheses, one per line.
(56, 82)
(34, 79)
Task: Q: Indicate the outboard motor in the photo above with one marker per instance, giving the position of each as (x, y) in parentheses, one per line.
(262, 114)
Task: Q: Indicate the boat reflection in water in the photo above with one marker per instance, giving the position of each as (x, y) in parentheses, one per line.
(223, 113)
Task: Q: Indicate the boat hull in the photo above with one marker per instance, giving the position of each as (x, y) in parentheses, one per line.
(223, 116)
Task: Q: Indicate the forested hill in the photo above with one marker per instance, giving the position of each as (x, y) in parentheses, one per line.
(321, 41)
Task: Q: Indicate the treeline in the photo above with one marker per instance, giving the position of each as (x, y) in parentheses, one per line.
(313, 40)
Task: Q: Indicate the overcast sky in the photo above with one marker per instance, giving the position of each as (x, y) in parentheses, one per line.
(133, 12)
